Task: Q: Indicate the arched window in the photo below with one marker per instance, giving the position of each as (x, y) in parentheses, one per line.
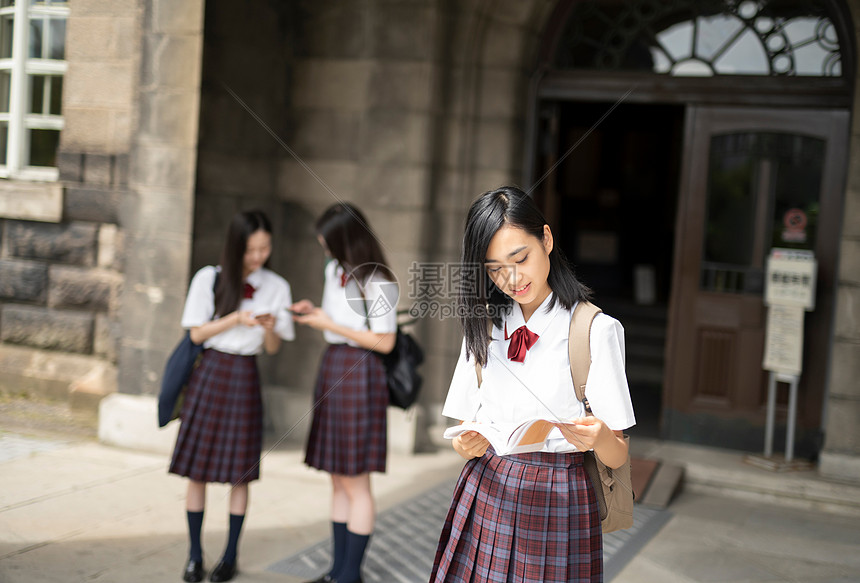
(702, 38)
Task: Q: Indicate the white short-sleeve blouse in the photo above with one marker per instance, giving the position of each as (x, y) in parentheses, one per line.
(271, 296)
(541, 385)
(347, 306)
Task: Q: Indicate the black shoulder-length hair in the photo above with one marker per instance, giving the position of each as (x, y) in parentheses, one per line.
(480, 300)
(228, 292)
(351, 241)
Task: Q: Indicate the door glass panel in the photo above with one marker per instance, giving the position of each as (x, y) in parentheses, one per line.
(763, 191)
(797, 187)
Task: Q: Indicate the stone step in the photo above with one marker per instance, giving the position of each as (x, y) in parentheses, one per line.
(80, 380)
(727, 473)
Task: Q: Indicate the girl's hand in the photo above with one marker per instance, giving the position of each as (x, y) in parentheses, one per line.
(246, 318)
(470, 444)
(315, 318)
(302, 307)
(584, 432)
(267, 321)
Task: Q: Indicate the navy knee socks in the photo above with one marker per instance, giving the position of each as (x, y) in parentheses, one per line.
(236, 521)
(355, 547)
(195, 526)
(338, 535)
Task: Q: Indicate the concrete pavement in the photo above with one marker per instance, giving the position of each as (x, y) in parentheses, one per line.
(76, 510)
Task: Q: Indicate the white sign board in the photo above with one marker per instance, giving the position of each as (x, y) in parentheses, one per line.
(783, 349)
(791, 278)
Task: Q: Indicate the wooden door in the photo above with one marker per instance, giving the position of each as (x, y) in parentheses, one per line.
(743, 169)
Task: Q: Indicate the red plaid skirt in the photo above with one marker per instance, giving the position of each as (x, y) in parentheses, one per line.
(221, 435)
(348, 433)
(528, 518)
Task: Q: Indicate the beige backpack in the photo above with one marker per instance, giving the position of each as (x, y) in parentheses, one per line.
(613, 487)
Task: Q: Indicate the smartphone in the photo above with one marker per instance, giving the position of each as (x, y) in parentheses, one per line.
(295, 312)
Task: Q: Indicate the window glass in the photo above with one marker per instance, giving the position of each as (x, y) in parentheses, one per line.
(4, 138)
(43, 147)
(702, 37)
(37, 93)
(7, 25)
(56, 101)
(37, 27)
(4, 92)
(58, 39)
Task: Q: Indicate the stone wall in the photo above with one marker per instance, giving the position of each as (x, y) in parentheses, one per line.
(409, 110)
(59, 286)
(61, 272)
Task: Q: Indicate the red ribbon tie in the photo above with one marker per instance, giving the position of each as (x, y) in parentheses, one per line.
(521, 340)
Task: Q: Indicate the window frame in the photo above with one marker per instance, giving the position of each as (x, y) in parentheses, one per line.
(22, 69)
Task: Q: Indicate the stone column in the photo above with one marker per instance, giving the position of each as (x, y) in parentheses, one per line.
(840, 457)
(156, 214)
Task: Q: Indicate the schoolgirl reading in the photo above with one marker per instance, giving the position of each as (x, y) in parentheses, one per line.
(528, 517)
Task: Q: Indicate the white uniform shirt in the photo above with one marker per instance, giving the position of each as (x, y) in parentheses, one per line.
(345, 306)
(271, 296)
(541, 386)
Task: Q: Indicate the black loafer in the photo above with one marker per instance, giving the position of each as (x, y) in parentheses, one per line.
(193, 571)
(223, 572)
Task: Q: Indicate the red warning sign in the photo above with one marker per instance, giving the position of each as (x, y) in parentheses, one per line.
(795, 222)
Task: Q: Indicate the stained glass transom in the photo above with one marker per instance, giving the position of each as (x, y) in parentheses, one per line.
(702, 38)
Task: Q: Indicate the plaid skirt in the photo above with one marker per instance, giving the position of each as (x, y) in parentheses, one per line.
(348, 432)
(529, 518)
(221, 434)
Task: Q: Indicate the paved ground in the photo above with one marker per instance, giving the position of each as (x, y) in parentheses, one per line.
(74, 510)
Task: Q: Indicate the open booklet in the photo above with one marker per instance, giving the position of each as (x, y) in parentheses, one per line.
(509, 438)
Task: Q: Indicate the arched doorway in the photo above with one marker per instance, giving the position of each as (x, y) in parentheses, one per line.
(669, 139)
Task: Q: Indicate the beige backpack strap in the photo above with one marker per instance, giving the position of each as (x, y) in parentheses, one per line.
(579, 347)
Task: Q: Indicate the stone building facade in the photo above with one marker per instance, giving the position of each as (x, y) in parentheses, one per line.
(178, 114)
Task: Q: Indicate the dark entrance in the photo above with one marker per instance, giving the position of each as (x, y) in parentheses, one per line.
(612, 202)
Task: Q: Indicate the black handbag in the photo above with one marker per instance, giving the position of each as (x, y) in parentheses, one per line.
(174, 381)
(401, 371)
(401, 368)
(177, 372)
